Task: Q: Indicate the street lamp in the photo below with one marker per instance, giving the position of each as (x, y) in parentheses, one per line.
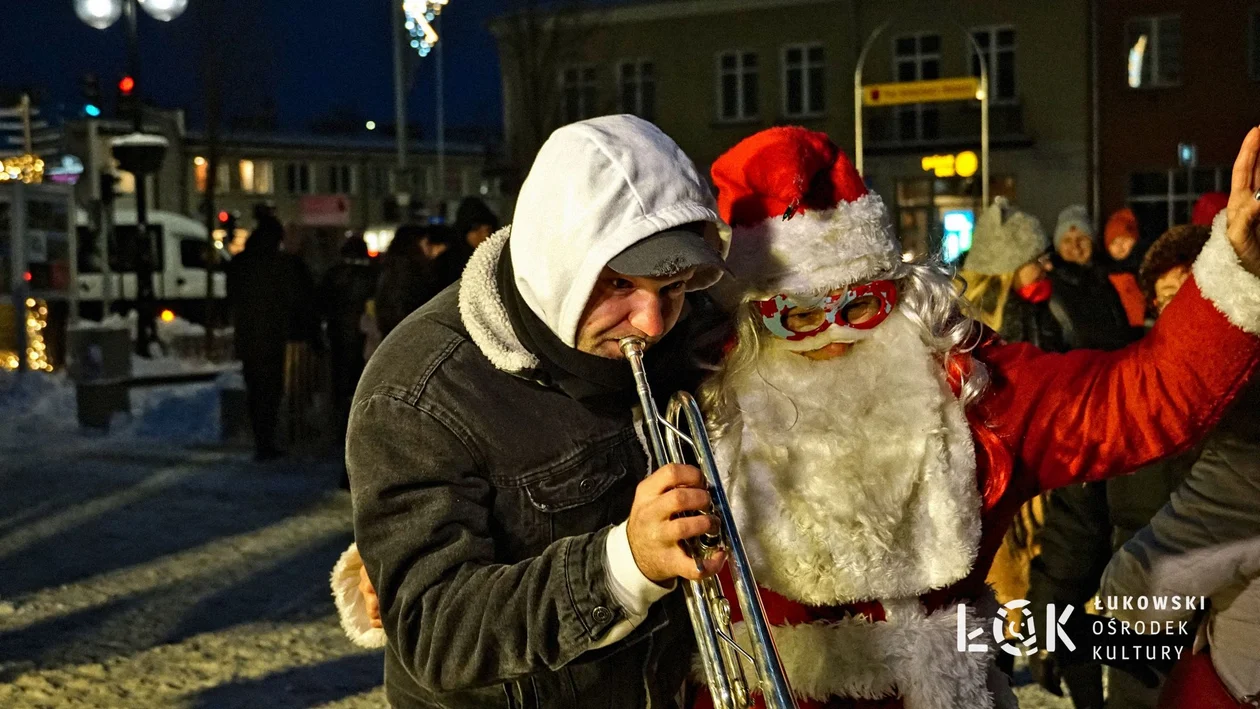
(98, 13)
(139, 154)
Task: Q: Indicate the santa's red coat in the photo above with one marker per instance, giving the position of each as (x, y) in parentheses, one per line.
(1049, 420)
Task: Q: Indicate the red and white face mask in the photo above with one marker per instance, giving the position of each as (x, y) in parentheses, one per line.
(855, 309)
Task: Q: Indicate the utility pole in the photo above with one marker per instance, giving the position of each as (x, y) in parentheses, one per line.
(400, 100)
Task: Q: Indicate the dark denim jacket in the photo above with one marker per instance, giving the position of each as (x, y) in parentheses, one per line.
(482, 502)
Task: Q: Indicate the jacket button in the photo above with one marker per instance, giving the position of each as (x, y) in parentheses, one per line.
(586, 485)
(601, 614)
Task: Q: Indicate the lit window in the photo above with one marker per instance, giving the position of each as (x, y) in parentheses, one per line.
(1154, 51)
(256, 176)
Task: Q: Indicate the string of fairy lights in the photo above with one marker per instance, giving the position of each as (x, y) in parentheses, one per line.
(420, 15)
(28, 169)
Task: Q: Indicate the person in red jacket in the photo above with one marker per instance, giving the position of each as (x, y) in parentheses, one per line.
(875, 443)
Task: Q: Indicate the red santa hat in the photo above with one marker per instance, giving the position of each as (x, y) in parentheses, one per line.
(802, 220)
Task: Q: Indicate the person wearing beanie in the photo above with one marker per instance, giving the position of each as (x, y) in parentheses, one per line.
(1074, 235)
(1120, 237)
(1092, 316)
(1006, 280)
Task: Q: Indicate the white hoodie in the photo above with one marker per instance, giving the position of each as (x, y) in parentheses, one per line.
(597, 187)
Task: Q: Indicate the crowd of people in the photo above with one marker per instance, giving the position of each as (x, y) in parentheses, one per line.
(280, 312)
(903, 447)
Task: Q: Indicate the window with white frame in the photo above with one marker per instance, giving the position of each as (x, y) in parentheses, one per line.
(341, 179)
(256, 176)
(298, 178)
(917, 57)
(578, 93)
(803, 83)
(1253, 48)
(636, 85)
(738, 88)
(997, 48)
(1154, 51)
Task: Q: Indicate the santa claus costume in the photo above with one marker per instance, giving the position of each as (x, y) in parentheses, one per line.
(872, 489)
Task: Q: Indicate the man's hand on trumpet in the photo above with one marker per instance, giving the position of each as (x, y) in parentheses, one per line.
(659, 524)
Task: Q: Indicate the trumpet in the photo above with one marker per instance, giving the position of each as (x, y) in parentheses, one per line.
(708, 608)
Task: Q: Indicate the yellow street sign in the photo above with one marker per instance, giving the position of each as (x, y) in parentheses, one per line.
(933, 91)
(963, 164)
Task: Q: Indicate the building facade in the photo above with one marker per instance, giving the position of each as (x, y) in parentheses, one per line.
(710, 72)
(1173, 73)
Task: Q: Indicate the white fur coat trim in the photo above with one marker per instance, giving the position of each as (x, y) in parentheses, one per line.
(910, 653)
(815, 251)
(351, 608)
(1222, 280)
(482, 310)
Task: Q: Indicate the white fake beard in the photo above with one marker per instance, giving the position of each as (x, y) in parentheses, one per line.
(852, 478)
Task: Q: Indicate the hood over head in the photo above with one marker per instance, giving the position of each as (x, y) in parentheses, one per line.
(596, 188)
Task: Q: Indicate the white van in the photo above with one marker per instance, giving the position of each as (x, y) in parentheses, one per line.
(179, 279)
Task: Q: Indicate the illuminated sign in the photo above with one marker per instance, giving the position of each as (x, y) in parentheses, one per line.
(963, 164)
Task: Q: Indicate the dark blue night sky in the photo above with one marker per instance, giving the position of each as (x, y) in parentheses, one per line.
(311, 57)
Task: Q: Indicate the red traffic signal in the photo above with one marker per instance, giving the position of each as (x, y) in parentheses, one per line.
(127, 85)
(224, 217)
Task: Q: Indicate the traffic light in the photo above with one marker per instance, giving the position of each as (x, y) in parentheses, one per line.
(127, 96)
(227, 222)
(91, 95)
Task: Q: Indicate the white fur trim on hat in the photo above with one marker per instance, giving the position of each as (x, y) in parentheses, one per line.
(1223, 280)
(911, 653)
(351, 607)
(813, 252)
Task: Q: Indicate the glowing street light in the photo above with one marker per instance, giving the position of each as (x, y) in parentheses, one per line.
(164, 10)
(99, 13)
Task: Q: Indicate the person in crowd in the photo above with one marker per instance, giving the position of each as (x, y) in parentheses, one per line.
(1007, 284)
(874, 443)
(269, 294)
(500, 498)
(474, 222)
(1206, 540)
(343, 295)
(409, 273)
(1120, 237)
(1093, 315)
(1006, 279)
(1086, 524)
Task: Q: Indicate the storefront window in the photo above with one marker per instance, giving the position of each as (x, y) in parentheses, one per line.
(935, 216)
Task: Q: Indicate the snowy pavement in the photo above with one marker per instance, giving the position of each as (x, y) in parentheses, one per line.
(157, 576)
(152, 567)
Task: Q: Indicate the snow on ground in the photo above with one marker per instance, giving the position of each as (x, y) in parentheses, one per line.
(36, 405)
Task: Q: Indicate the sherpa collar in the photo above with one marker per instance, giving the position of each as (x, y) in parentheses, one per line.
(482, 311)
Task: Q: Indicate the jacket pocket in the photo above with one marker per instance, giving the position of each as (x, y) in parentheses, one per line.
(585, 495)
